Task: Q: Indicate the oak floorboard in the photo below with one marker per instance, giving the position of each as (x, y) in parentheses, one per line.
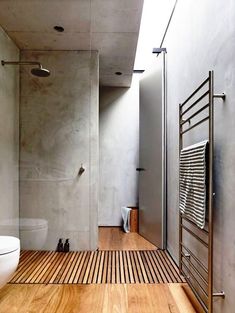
(113, 238)
(119, 298)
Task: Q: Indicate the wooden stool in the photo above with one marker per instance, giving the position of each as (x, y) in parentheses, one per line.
(134, 219)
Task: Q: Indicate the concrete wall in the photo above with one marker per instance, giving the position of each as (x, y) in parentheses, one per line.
(9, 138)
(119, 151)
(201, 37)
(59, 131)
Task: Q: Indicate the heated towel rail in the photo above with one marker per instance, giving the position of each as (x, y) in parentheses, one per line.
(198, 108)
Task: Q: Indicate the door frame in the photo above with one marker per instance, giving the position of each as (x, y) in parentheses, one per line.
(164, 152)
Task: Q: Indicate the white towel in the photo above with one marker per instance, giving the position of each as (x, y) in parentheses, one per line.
(126, 218)
(193, 185)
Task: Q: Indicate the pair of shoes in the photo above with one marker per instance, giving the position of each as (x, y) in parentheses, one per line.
(63, 247)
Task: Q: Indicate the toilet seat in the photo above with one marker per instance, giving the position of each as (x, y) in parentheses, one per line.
(32, 224)
(8, 244)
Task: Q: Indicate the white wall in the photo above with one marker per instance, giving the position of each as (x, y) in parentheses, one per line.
(9, 138)
(201, 37)
(119, 151)
(59, 131)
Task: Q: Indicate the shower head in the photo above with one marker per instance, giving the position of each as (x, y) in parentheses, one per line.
(38, 71)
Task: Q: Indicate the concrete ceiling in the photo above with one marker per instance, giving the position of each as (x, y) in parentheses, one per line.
(109, 26)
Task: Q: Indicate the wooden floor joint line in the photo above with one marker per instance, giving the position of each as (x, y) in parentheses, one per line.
(96, 267)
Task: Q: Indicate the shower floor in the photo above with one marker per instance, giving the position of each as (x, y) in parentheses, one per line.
(96, 267)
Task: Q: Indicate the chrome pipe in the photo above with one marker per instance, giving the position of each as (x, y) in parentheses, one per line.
(195, 258)
(201, 301)
(20, 63)
(195, 235)
(195, 279)
(195, 102)
(193, 224)
(210, 196)
(198, 123)
(195, 114)
(180, 216)
(195, 91)
(195, 269)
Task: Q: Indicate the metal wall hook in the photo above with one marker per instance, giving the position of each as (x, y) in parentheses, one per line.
(185, 121)
(187, 255)
(219, 294)
(81, 170)
(220, 95)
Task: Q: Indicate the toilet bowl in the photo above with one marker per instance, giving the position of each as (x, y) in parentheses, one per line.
(33, 233)
(9, 257)
(9, 227)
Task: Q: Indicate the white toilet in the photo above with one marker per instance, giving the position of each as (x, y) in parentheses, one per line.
(33, 233)
(9, 257)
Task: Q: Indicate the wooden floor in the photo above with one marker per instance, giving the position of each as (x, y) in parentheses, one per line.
(98, 298)
(161, 298)
(113, 238)
(96, 267)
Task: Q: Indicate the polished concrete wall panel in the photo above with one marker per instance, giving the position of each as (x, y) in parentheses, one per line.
(119, 151)
(201, 37)
(9, 138)
(59, 132)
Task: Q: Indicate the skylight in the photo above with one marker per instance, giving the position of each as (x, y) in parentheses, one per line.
(156, 14)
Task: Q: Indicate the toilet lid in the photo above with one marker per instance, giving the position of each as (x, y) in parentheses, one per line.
(8, 244)
(32, 223)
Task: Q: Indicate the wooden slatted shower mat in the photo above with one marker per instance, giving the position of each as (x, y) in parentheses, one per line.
(96, 267)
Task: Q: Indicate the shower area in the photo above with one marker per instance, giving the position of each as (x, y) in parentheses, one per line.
(49, 92)
(50, 147)
(58, 154)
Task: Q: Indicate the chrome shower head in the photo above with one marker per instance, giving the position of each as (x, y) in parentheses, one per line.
(36, 71)
(40, 72)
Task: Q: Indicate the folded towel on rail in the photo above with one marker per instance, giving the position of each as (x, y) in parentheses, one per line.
(193, 182)
(126, 218)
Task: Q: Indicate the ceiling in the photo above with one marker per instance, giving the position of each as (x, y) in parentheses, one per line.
(109, 26)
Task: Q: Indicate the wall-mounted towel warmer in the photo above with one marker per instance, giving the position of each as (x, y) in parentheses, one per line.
(195, 110)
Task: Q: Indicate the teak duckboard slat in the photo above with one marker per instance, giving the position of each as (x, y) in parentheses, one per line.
(96, 267)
